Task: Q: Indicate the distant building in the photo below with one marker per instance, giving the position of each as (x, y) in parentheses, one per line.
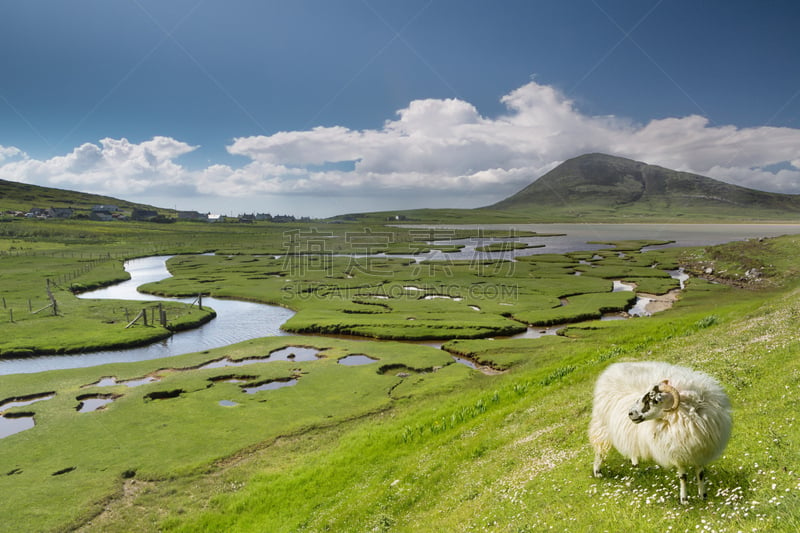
(105, 207)
(59, 212)
(101, 215)
(212, 217)
(191, 215)
(143, 214)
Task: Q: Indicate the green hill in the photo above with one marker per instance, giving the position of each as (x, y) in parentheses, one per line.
(605, 188)
(16, 196)
(594, 184)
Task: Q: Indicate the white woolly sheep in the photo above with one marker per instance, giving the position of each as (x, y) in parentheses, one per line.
(669, 414)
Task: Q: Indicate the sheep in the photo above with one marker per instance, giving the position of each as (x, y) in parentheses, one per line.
(672, 415)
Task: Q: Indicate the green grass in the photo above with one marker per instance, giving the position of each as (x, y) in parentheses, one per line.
(414, 441)
(152, 437)
(509, 452)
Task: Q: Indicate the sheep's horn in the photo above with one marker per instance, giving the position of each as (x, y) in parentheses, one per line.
(664, 386)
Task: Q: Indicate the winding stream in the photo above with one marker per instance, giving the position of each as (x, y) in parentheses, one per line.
(238, 321)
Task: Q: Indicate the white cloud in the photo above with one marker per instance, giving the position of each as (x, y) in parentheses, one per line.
(10, 152)
(446, 145)
(115, 166)
(431, 147)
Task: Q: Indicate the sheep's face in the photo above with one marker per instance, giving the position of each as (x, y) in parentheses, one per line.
(652, 405)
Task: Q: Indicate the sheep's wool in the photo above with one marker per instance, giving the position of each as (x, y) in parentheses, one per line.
(694, 434)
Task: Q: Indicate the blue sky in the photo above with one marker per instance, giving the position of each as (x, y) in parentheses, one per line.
(324, 107)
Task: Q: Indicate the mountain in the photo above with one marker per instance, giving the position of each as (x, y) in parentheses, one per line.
(599, 183)
(16, 196)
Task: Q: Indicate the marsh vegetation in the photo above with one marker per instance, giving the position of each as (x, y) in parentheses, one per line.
(409, 439)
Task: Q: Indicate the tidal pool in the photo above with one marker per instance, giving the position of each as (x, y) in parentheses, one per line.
(356, 360)
(9, 424)
(619, 286)
(640, 307)
(290, 353)
(295, 353)
(270, 385)
(25, 400)
(92, 403)
(111, 381)
(465, 362)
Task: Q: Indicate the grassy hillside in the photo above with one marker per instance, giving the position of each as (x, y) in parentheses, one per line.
(604, 188)
(16, 196)
(594, 183)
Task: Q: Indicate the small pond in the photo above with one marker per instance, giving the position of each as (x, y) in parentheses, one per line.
(9, 425)
(89, 404)
(465, 362)
(356, 360)
(9, 404)
(290, 353)
(112, 381)
(270, 385)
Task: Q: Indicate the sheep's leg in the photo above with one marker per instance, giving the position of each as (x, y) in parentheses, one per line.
(601, 443)
(701, 482)
(601, 449)
(683, 477)
(599, 455)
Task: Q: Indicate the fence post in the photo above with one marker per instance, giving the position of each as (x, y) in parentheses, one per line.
(200, 301)
(52, 298)
(144, 316)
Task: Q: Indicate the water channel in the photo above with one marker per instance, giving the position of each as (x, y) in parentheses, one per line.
(238, 321)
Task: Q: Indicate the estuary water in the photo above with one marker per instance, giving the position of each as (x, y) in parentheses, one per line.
(238, 321)
(584, 237)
